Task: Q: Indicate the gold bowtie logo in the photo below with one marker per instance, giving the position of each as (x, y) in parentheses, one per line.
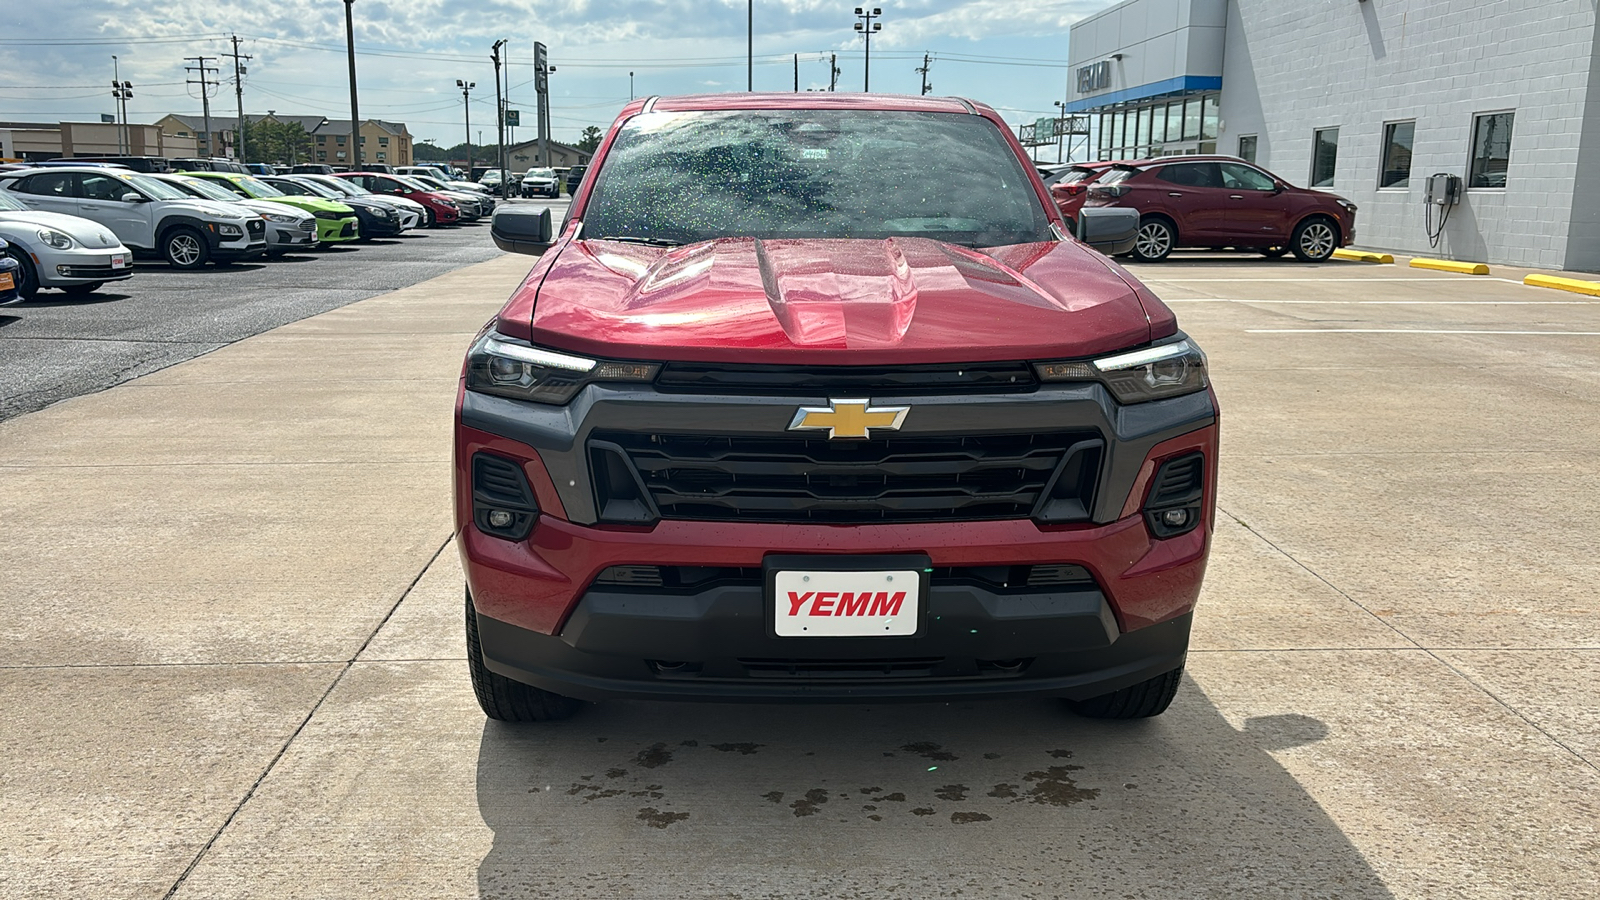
(848, 418)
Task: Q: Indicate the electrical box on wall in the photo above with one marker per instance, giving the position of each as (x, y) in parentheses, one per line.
(1443, 189)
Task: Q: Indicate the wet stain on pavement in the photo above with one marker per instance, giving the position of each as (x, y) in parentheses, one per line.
(773, 796)
(1004, 791)
(655, 818)
(895, 797)
(808, 806)
(1056, 787)
(967, 818)
(616, 773)
(991, 756)
(952, 792)
(1061, 754)
(930, 751)
(688, 743)
(744, 749)
(653, 791)
(654, 756)
(922, 811)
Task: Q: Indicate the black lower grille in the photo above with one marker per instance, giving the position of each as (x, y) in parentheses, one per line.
(901, 478)
(256, 227)
(911, 667)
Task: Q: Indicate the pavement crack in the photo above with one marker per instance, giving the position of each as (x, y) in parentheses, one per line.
(332, 686)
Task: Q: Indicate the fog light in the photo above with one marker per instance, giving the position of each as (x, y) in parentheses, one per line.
(499, 518)
(1175, 518)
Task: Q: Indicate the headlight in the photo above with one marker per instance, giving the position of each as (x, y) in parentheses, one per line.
(56, 239)
(506, 368)
(227, 230)
(1168, 370)
(280, 218)
(326, 214)
(449, 203)
(1345, 203)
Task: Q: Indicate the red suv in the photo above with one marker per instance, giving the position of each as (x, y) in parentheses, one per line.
(1220, 202)
(1072, 188)
(770, 420)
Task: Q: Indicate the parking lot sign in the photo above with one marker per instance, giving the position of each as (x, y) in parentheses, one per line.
(513, 117)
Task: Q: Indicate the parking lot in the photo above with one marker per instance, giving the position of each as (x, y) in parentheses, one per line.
(233, 657)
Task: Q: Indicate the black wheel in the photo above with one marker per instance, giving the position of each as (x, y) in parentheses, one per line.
(1139, 701)
(82, 290)
(27, 276)
(1274, 252)
(1314, 240)
(185, 248)
(507, 700)
(1155, 241)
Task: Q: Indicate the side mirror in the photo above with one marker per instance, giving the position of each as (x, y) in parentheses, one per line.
(131, 197)
(517, 229)
(1111, 230)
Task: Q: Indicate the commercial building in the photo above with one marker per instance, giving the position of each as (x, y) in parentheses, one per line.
(381, 141)
(38, 141)
(527, 155)
(1368, 98)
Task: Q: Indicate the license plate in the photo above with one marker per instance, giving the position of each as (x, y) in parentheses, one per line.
(847, 604)
(6, 283)
(119, 261)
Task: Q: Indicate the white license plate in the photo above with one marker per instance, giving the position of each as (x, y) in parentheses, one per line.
(119, 261)
(847, 604)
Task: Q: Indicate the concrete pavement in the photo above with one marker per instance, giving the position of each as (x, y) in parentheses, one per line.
(232, 651)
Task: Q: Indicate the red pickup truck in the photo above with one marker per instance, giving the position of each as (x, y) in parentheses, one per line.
(780, 415)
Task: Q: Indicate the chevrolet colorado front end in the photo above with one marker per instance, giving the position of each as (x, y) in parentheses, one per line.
(813, 398)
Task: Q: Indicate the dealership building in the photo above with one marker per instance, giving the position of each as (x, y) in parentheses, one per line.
(1368, 99)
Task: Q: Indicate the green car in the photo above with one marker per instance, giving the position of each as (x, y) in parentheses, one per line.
(336, 222)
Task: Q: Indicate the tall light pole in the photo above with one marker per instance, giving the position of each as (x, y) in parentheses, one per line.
(750, 46)
(630, 87)
(866, 27)
(466, 116)
(122, 92)
(355, 112)
(500, 125)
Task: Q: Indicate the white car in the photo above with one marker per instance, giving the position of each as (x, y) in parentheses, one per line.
(412, 213)
(69, 253)
(146, 214)
(287, 228)
(477, 201)
(541, 182)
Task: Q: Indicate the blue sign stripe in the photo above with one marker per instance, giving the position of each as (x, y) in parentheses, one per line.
(1183, 84)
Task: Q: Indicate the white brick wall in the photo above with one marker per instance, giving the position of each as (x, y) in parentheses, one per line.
(1291, 67)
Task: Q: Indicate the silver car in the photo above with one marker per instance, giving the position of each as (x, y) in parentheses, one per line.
(55, 250)
(288, 228)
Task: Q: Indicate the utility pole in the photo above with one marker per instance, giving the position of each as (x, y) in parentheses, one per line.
(122, 92)
(500, 123)
(797, 73)
(630, 87)
(926, 87)
(833, 73)
(866, 27)
(355, 112)
(750, 46)
(205, 82)
(466, 116)
(238, 90)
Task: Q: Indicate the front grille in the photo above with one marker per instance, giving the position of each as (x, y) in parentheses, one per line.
(349, 230)
(693, 579)
(105, 272)
(257, 227)
(903, 478)
(853, 381)
(905, 667)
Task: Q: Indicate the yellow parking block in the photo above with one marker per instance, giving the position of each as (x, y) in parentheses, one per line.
(1450, 265)
(1576, 286)
(1362, 256)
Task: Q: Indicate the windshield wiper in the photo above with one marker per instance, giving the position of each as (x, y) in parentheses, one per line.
(637, 239)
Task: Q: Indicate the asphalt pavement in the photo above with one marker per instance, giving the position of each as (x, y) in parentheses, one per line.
(57, 346)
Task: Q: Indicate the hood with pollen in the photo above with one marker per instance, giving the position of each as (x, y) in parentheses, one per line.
(838, 302)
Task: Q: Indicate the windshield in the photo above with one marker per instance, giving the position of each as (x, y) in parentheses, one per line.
(11, 203)
(540, 173)
(343, 186)
(421, 183)
(313, 188)
(685, 177)
(1074, 176)
(257, 187)
(155, 189)
(208, 190)
(1117, 176)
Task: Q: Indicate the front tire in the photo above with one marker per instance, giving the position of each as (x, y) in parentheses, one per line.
(185, 248)
(1155, 241)
(27, 276)
(1139, 701)
(1314, 240)
(1274, 252)
(506, 700)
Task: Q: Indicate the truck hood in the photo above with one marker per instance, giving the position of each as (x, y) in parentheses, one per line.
(840, 302)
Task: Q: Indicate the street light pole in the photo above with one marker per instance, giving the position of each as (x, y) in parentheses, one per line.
(355, 111)
(466, 116)
(630, 87)
(750, 46)
(866, 27)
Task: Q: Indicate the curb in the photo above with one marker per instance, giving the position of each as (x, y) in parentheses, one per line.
(1366, 256)
(1450, 265)
(1574, 285)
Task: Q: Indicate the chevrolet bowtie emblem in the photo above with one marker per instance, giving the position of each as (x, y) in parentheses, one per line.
(848, 418)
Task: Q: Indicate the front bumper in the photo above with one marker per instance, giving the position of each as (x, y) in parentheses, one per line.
(281, 238)
(338, 231)
(545, 620)
(61, 268)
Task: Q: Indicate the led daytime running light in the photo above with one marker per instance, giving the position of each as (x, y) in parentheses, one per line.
(538, 357)
(1143, 357)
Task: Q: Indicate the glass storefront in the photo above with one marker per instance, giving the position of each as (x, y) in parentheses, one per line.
(1165, 127)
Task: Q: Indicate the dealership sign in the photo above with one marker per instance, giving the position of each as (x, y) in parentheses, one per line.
(1096, 77)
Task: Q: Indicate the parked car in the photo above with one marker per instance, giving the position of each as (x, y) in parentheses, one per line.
(147, 164)
(311, 169)
(475, 204)
(376, 218)
(260, 169)
(378, 167)
(287, 228)
(412, 213)
(575, 178)
(664, 491)
(10, 276)
(336, 222)
(1070, 187)
(146, 214)
(202, 164)
(489, 179)
(442, 210)
(431, 171)
(540, 183)
(65, 252)
(1219, 202)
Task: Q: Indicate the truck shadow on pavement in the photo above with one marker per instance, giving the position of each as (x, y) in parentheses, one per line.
(992, 799)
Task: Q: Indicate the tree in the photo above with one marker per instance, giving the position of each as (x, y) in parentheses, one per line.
(591, 139)
(276, 142)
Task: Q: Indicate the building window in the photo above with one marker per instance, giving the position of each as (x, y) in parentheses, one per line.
(363, 139)
(183, 134)
(1208, 123)
(1247, 147)
(1324, 156)
(381, 155)
(1491, 150)
(340, 140)
(341, 154)
(383, 142)
(1191, 119)
(322, 139)
(322, 154)
(1396, 168)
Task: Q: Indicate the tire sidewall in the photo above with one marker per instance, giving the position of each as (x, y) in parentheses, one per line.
(1172, 240)
(27, 276)
(166, 248)
(1299, 233)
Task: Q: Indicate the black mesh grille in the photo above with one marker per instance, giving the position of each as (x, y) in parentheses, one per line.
(256, 226)
(853, 380)
(1179, 481)
(911, 667)
(794, 479)
(498, 480)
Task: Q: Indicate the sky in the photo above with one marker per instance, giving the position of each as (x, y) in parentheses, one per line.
(56, 59)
